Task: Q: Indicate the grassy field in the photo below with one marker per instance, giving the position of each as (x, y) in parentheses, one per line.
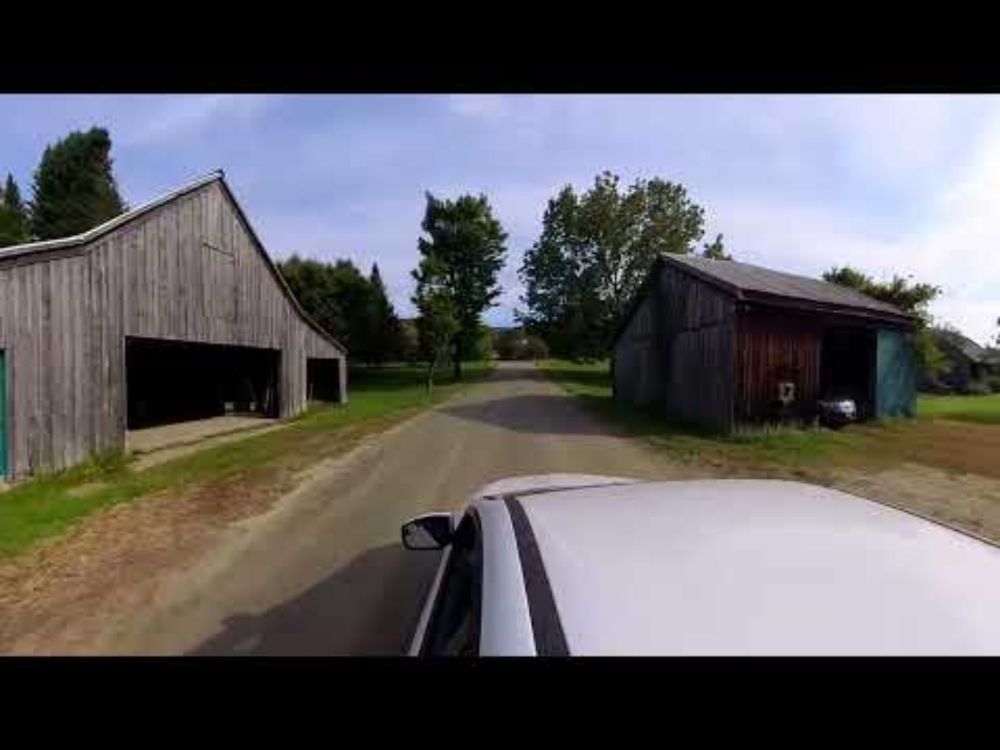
(809, 453)
(48, 505)
(983, 409)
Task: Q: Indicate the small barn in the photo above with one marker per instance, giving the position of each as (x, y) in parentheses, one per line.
(170, 312)
(969, 364)
(719, 344)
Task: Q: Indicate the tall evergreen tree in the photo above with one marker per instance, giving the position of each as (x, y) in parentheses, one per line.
(461, 259)
(74, 187)
(383, 321)
(15, 224)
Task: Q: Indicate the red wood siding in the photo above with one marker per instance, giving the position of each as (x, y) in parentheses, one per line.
(771, 348)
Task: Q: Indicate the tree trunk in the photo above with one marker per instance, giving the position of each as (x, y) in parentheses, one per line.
(457, 362)
(431, 364)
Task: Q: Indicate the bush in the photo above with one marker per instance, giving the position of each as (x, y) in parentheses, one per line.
(938, 388)
(978, 388)
(993, 383)
(484, 347)
(515, 344)
(536, 348)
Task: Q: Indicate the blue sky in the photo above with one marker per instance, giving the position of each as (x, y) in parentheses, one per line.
(891, 184)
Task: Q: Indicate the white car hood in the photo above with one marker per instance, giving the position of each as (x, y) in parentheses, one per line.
(732, 567)
(543, 482)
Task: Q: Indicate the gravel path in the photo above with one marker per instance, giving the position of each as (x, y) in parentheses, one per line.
(322, 572)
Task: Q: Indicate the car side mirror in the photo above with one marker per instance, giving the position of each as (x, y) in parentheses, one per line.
(429, 532)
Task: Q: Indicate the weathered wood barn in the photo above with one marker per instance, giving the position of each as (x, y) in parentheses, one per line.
(720, 344)
(170, 312)
(968, 364)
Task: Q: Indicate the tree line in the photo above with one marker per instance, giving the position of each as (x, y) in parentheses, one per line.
(353, 307)
(594, 253)
(906, 294)
(73, 190)
(590, 260)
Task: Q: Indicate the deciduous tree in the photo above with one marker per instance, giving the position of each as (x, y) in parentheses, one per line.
(594, 254)
(350, 306)
(461, 257)
(716, 250)
(910, 297)
(437, 325)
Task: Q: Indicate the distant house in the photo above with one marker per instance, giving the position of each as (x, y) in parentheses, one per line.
(720, 343)
(969, 363)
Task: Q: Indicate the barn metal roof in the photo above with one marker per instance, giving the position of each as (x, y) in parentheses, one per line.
(969, 348)
(90, 235)
(739, 278)
(62, 243)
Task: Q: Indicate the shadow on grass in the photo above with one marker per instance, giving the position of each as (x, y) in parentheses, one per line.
(368, 607)
(767, 448)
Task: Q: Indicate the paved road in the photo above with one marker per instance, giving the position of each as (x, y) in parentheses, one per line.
(323, 573)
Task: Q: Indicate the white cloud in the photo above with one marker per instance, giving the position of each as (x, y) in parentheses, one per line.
(891, 184)
(894, 140)
(488, 106)
(925, 170)
(171, 118)
(385, 232)
(956, 244)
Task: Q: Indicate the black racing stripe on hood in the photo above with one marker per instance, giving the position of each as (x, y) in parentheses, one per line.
(550, 640)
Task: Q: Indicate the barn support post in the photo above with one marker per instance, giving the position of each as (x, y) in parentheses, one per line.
(342, 390)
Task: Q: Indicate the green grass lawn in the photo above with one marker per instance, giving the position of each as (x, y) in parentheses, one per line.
(48, 505)
(985, 409)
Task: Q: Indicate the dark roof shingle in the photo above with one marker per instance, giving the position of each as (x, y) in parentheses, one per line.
(969, 348)
(744, 277)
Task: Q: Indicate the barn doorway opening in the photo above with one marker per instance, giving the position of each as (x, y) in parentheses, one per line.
(847, 367)
(169, 382)
(322, 379)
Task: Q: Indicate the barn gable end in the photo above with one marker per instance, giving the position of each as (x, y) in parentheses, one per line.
(675, 351)
(187, 268)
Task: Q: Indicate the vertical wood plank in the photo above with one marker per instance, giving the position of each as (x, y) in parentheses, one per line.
(63, 322)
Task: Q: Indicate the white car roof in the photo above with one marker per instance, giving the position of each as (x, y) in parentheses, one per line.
(737, 567)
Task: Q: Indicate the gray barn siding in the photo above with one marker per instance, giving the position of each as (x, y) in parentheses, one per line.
(697, 341)
(64, 316)
(637, 373)
(677, 351)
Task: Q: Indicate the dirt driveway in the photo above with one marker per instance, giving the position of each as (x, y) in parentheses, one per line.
(323, 573)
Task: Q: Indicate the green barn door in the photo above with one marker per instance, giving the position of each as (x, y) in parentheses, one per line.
(895, 375)
(3, 415)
